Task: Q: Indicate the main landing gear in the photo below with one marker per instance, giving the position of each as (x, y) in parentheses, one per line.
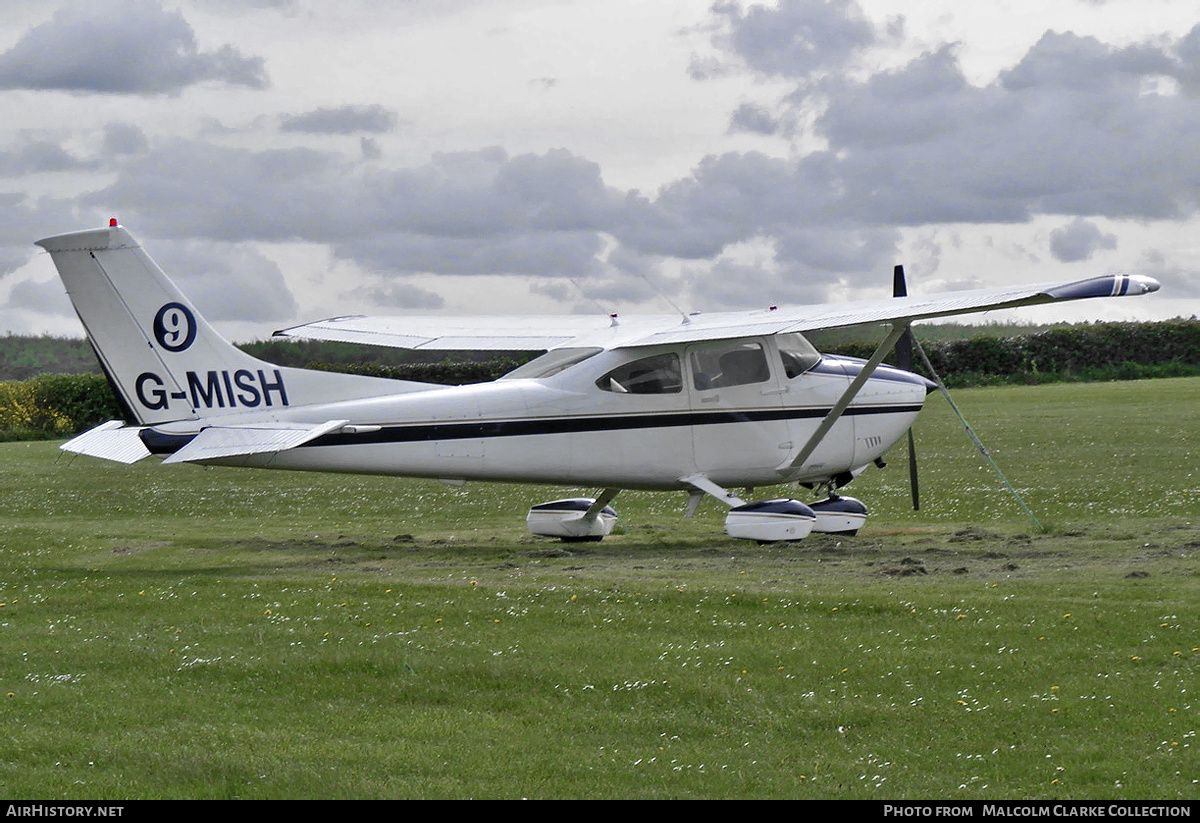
(587, 519)
(576, 519)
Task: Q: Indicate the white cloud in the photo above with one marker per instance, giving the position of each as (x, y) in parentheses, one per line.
(121, 47)
(570, 148)
(1079, 240)
(348, 119)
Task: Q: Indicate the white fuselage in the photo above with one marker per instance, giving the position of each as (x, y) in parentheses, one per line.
(564, 429)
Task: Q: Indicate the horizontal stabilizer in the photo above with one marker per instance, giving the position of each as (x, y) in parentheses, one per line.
(242, 441)
(110, 441)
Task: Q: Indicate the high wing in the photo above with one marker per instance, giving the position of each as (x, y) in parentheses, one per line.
(538, 333)
(492, 333)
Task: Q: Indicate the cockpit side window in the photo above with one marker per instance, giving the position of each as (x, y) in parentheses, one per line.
(657, 374)
(797, 354)
(736, 364)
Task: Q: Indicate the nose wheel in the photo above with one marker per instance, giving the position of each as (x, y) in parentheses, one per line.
(781, 519)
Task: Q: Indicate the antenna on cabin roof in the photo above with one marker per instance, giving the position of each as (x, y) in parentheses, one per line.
(587, 296)
(663, 295)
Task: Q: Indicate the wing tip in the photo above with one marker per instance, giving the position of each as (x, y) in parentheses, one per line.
(1106, 285)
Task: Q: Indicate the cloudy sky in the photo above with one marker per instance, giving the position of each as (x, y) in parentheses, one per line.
(288, 160)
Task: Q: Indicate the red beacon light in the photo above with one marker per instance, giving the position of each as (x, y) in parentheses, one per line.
(112, 222)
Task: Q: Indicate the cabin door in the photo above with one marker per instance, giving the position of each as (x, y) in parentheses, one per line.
(739, 430)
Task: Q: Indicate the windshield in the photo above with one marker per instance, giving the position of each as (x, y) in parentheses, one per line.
(551, 363)
(797, 354)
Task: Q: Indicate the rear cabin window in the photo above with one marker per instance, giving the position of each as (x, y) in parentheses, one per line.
(658, 374)
(734, 365)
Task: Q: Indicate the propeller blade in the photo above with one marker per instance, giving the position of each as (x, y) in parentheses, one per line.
(904, 360)
(904, 351)
(899, 287)
(912, 473)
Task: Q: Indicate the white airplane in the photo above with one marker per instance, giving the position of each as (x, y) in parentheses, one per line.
(699, 403)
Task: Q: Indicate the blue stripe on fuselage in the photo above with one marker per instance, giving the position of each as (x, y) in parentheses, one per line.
(159, 443)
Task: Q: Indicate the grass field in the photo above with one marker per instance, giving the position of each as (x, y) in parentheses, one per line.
(180, 632)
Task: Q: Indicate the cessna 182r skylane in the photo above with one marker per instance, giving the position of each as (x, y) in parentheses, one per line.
(698, 403)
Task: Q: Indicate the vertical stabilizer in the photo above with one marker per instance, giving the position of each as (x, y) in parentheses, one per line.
(162, 356)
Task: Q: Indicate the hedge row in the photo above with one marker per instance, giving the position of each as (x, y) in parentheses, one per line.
(55, 405)
(1099, 351)
(447, 373)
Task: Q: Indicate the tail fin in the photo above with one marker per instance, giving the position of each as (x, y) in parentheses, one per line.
(165, 360)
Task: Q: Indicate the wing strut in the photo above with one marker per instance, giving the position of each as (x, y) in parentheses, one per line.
(701, 483)
(899, 329)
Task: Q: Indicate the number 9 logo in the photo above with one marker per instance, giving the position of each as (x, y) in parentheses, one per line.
(174, 327)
